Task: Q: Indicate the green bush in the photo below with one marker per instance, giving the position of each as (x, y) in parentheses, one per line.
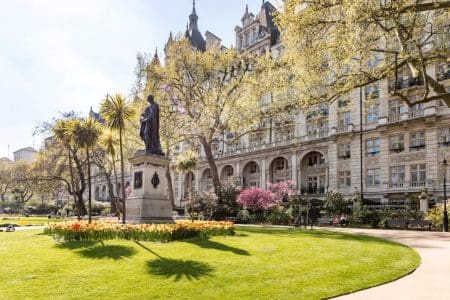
(244, 217)
(280, 215)
(436, 215)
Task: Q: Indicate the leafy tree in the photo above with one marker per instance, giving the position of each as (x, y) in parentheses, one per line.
(336, 204)
(117, 111)
(61, 160)
(436, 215)
(22, 181)
(333, 47)
(5, 179)
(212, 91)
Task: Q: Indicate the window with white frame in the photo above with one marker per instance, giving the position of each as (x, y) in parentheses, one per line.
(397, 107)
(417, 110)
(397, 143)
(344, 151)
(444, 137)
(373, 177)
(345, 179)
(372, 113)
(344, 119)
(417, 140)
(397, 175)
(373, 147)
(373, 90)
(418, 174)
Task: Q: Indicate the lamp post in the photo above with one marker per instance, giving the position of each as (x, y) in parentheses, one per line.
(445, 220)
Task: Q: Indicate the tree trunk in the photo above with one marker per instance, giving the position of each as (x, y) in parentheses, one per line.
(220, 213)
(169, 184)
(80, 205)
(111, 192)
(72, 182)
(122, 169)
(89, 186)
(81, 186)
(116, 199)
(213, 169)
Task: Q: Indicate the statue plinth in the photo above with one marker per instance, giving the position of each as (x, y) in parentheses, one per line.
(148, 202)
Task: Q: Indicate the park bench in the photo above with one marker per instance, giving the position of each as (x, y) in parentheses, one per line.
(420, 223)
(397, 223)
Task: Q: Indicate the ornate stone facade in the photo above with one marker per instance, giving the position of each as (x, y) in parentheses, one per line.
(320, 149)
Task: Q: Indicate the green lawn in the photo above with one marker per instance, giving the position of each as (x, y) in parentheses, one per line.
(257, 263)
(26, 221)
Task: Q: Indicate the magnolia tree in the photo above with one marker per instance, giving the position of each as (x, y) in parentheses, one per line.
(257, 199)
(282, 190)
(260, 199)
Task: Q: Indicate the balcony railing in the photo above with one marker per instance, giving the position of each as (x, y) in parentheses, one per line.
(416, 114)
(405, 83)
(418, 184)
(392, 118)
(314, 136)
(342, 129)
(409, 185)
(312, 190)
(397, 185)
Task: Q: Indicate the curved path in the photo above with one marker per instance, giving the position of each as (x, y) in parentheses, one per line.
(431, 280)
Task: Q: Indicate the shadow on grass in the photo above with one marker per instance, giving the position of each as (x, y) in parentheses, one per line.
(76, 244)
(107, 251)
(178, 268)
(208, 244)
(319, 233)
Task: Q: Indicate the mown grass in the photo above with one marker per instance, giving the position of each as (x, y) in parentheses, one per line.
(257, 263)
(26, 221)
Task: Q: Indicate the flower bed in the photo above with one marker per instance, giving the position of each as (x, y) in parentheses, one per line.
(100, 231)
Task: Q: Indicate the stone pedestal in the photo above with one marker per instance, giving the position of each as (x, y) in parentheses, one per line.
(148, 202)
(423, 200)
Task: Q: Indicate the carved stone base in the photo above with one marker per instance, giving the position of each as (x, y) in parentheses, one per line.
(148, 202)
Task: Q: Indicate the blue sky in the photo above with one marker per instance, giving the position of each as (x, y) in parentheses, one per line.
(62, 55)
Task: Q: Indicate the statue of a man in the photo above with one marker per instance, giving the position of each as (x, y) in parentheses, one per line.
(150, 127)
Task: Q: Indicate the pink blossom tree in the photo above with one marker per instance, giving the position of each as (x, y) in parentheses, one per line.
(257, 199)
(281, 189)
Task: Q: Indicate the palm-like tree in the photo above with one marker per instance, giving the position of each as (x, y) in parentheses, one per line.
(109, 142)
(186, 163)
(117, 111)
(85, 134)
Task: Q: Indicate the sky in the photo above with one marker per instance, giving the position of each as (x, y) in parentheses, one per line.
(63, 55)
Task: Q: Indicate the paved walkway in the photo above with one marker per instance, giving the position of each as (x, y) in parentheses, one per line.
(431, 280)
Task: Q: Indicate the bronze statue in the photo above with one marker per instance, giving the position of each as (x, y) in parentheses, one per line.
(150, 127)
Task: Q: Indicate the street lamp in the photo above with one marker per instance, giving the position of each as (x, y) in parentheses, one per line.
(444, 168)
